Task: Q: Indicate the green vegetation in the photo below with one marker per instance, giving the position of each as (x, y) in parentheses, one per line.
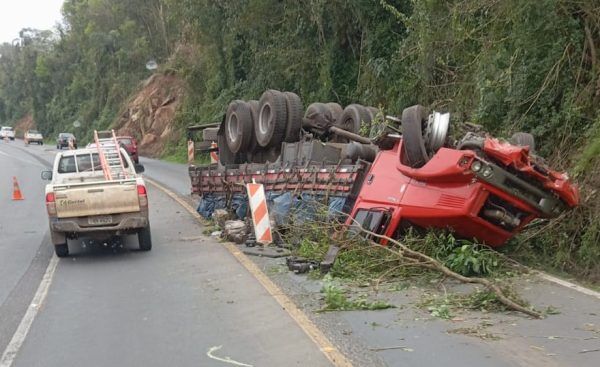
(481, 300)
(336, 299)
(508, 65)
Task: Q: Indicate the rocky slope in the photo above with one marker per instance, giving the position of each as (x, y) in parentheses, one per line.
(149, 115)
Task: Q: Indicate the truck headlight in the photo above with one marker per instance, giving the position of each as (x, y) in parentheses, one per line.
(487, 171)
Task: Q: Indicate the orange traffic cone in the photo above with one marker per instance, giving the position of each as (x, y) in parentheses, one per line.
(16, 191)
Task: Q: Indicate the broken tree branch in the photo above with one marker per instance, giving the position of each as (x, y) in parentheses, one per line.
(434, 264)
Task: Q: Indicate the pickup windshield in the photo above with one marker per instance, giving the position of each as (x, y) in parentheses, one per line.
(85, 162)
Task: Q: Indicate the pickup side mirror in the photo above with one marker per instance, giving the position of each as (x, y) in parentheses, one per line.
(139, 168)
(47, 175)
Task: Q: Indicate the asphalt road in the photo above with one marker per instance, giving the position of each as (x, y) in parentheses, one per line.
(188, 302)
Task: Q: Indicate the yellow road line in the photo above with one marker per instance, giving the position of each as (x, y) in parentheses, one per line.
(327, 348)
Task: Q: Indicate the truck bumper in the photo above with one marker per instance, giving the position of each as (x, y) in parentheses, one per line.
(122, 224)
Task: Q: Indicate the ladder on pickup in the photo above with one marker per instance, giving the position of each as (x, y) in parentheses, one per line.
(110, 155)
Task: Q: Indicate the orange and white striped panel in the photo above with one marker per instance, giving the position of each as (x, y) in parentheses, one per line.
(260, 213)
(214, 157)
(190, 151)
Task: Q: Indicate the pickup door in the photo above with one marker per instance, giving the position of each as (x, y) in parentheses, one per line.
(96, 198)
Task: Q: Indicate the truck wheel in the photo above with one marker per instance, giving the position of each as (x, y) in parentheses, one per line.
(335, 110)
(61, 250)
(226, 156)
(351, 119)
(315, 109)
(413, 121)
(294, 117)
(253, 145)
(238, 126)
(145, 239)
(272, 118)
(373, 111)
(524, 140)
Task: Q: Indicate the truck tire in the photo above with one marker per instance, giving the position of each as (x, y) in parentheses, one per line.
(226, 156)
(61, 250)
(145, 239)
(294, 117)
(351, 119)
(272, 118)
(524, 140)
(210, 134)
(413, 119)
(335, 110)
(238, 126)
(253, 145)
(318, 108)
(373, 111)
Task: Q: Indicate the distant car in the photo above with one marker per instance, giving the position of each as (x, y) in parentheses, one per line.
(7, 132)
(130, 145)
(33, 136)
(63, 140)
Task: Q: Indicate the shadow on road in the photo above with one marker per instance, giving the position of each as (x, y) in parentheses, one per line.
(114, 249)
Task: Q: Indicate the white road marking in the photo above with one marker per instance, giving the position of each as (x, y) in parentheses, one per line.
(226, 359)
(21, 159)
(10, 353)
(567, 284)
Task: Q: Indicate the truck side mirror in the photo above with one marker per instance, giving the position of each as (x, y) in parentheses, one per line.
(139, 168)
(47, 175)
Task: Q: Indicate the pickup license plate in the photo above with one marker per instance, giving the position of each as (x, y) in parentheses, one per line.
(100, 220)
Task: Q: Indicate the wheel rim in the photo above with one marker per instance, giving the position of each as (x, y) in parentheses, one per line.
(437, 131)
(232, 128)
(264, 120)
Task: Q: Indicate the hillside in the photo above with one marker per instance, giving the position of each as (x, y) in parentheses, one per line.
(150, 115)
(508, 65)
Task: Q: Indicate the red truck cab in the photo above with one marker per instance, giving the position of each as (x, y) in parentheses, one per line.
(485, 197)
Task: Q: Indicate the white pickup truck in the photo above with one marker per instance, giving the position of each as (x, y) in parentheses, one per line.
(82, 203)
(7, 132)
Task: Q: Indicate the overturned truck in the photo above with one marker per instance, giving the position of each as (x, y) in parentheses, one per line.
(384, 173)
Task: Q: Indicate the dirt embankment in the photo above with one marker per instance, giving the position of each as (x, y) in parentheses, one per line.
(24, 124)
(149, 115)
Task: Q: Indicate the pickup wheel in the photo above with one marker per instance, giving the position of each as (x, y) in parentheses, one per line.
(413, 122)
(61, 250)
(145, 239)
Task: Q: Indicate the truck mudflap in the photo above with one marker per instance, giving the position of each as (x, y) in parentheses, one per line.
(221, 187)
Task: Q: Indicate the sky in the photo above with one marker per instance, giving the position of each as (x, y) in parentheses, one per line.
(18, 14)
